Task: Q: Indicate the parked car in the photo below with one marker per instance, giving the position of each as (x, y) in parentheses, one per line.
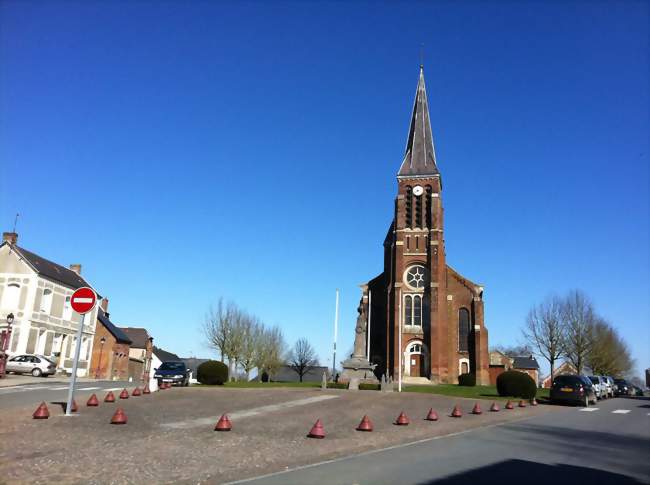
(609, 383)
(622, 388)
(174, 372)
(36, 365)
(572, 389)
(637, 391)
(600, 386)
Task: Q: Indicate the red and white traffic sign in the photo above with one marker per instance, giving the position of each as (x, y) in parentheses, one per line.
(83, 300)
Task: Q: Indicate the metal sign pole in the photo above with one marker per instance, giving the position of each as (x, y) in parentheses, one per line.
(336, 329)
(75, 363)
(399, 344)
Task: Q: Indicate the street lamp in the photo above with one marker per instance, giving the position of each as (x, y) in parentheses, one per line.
(102, 341)
(4, 344)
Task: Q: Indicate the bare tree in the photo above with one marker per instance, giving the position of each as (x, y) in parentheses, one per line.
(544, 330)
(269, 352)
(252, 331)
(609, 354)
(222, 330)
(578, 319)
(302, 358)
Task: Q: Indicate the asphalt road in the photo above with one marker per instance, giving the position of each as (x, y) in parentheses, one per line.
(607, 444)
(50, 392)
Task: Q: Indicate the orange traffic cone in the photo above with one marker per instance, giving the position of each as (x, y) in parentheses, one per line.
(456, 413)
(119, 417)
(494, 408)
(223, 424)
(162, 386)
(93, 401)
(533, 402)
(136, 392)
(477, 409)
(146, 389)
(522, 404)
(124, 394)
(317, 430)
(41, 412)
(509, 405)
(365, 424)
(74, 408)
(432, 415)
(402, 419)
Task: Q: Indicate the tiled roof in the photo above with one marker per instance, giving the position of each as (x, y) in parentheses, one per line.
(49, 269)
(115, 331)
(525, 363)
(138, 336)
(165, 356)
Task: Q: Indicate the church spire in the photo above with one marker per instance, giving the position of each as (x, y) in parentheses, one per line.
(420, 157)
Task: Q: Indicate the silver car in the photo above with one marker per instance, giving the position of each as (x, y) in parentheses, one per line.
(36, 365)
(600, 386)
(608, 383)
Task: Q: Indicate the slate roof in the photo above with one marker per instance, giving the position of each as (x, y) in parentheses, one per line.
(49, 269)
(138, 336)
(525, 363)
(419, 156)
(115, 331)
(165, 356)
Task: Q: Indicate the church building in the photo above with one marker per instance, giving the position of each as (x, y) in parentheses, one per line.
(423, 315)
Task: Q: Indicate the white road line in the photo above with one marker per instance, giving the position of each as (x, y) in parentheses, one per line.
(194, 423)
(88, 388)
(114, 389)
(588, 410)
(21, 389)
(621, 411)
(58, 388)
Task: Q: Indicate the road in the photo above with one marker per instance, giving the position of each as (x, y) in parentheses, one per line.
(605, 444)
(50, 392)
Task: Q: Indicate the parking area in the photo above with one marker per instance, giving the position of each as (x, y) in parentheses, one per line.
(170, 434)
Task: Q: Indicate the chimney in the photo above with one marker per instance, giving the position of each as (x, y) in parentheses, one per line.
(104, 305)
(10, 237)
(76, 268)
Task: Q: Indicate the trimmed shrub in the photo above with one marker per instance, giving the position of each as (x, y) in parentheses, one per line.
(337, 385)
(369, 387)
(467, 380)
(212, 372)
(517, 384)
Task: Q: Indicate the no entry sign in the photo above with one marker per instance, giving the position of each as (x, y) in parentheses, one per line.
(83, 300)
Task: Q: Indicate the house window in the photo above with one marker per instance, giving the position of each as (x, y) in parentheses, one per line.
(11, 295)
(463, 330)
(413, 310)
(67, 309)
(46, 301)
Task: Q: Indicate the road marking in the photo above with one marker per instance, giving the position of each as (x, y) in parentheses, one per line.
(88, 388)
(58, 388)
(15, 389)
(621, 411)
(194, 423)
(114, 389)
(588, 410)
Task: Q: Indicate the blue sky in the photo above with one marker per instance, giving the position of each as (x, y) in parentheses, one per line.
(186, 151)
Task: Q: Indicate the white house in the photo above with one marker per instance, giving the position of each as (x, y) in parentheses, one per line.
(38, 292)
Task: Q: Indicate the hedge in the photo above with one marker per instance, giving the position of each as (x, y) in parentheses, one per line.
(467, 380)
(515, 383)
(212, 372)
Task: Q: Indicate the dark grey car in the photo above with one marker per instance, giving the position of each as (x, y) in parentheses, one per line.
(572, 389)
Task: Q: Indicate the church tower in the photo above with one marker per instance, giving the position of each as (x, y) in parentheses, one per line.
(425, 317)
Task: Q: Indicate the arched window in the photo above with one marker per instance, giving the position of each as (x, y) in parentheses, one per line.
(408, 310)
(11, 296)
(46, 301)
(408, 207)
(428, 191)
(418, 211)
(415, 349)
(464, 368)
(416, 276)
(463, 330)
(417, 310)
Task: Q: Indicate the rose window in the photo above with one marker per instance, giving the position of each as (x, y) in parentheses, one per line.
(416, 276)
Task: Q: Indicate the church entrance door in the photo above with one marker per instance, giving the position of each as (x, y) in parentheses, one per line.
(415, 365)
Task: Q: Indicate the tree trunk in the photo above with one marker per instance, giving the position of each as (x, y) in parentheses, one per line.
(552, 362)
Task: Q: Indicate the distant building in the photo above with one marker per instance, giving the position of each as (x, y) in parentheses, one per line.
(287, 374)
(140, 352)
(564, 368)
(110, 358)
(527, 364)
(500, 362)
(38, 292)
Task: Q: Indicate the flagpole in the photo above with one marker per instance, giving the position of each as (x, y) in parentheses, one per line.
(399, 339)
(336, 328)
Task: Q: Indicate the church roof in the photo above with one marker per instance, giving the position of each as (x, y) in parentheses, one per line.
(419, 156)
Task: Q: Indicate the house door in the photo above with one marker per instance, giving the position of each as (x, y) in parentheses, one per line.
(415, 365)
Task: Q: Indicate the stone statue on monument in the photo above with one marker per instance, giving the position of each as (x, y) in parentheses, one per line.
(358, 367)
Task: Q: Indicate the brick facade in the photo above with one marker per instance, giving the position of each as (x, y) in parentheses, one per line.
(418, 293)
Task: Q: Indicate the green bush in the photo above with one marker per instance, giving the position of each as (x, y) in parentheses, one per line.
(336, 385)
(515, 383)
(369, 387)
(212, 372)
(467, 380)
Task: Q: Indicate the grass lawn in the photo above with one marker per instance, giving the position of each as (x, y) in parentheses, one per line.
(476, 392)
(261, 385)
